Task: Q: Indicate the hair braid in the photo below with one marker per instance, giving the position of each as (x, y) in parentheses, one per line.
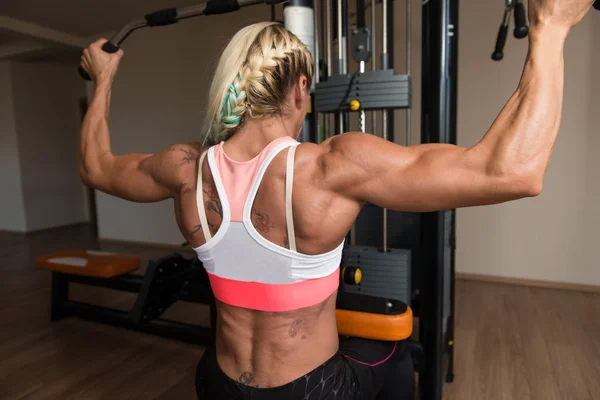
(275, 59)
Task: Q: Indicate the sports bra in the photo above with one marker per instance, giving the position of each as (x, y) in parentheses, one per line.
(244, 268)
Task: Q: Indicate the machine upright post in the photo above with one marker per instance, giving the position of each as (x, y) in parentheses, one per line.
(408, 138)
(438, 121)
(328, 39)
(384, 131)
(341, 69)
(373, 59)
(317, 58)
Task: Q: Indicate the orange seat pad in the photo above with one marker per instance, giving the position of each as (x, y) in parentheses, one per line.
(375, 326)
(89, 263)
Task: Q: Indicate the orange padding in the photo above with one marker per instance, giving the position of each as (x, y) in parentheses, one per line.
(375, 326)
(89, 263)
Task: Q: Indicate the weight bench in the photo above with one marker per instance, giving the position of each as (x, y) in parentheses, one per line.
(167, 280)
(175, 278)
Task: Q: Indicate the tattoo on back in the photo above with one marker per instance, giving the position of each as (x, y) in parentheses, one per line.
(295, 328)
(286, 242)
(263, 221)
(246, 378)
(214, 203)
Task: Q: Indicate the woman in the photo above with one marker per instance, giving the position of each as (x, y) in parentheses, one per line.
(267, 216)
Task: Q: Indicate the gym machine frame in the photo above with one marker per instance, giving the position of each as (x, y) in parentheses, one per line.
(435, 271)
(167, 280)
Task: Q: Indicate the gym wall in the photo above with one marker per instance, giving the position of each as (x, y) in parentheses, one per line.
(551, 237)
(591, 220)
(12, 209)
(40, 187)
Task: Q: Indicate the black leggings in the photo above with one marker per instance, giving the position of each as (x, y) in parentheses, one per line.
(360, 370)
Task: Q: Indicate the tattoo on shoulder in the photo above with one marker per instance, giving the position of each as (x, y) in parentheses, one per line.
(189, 156)
(263, 221)
(246, 378)
(183, 187)
(295, 328)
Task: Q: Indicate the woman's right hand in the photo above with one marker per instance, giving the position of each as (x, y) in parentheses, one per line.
(561, 14)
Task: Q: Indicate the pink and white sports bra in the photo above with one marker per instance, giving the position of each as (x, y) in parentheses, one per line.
(245, 269)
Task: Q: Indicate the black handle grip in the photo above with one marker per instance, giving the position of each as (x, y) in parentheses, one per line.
(107, 47)
(597, 5)
(500, 43)
(521, 28)
(220, 6)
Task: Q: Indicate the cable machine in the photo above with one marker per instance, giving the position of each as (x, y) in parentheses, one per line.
(406, 257)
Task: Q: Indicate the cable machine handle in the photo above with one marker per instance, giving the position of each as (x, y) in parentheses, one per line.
(500, 43)
(521, 28)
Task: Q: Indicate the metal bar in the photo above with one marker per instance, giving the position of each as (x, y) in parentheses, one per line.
(126, 30)
(316, 56)
(408, 138)
(363, 122)
(126, 283)
(384, 40)
(345, 38)
(384, 133)
(438, 121)
(340, 69)
(60, 294)
(373, 59)
(328, 33)
(159, 327)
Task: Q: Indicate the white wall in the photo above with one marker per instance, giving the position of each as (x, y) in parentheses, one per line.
(12, 209)
(589, 267)
(47, 119)
(541, 238)
(158, 100)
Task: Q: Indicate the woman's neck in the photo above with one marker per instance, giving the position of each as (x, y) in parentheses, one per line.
(255, 135)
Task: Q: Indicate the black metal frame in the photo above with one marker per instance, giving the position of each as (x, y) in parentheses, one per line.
(143, 316)
(438, 122)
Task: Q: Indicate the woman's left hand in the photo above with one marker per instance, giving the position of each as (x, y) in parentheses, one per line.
(100, 65)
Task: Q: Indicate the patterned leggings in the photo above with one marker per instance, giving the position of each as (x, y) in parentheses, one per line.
(361, 370)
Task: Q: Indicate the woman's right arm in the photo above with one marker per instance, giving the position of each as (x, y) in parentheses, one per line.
(510, 161)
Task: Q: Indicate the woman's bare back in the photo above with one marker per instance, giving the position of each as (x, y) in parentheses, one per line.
(270, 349)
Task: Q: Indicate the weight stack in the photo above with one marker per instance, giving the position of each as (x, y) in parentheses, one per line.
(384, 275)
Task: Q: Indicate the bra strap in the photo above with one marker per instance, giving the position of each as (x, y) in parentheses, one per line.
(200, 200)
(289, 181)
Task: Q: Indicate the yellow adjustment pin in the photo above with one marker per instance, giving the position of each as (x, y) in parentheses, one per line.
(357, 276)
(355, 105)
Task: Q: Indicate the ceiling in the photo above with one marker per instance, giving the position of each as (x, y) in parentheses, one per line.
(83, 17)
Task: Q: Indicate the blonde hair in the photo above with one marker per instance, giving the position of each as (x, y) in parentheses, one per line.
(253, 77)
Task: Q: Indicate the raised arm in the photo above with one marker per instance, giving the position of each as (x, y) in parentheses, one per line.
(507, 164)
(135, 176)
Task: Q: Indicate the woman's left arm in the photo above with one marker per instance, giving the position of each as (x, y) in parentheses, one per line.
(135, 177)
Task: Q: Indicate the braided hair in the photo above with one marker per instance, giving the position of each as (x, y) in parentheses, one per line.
(253, 78)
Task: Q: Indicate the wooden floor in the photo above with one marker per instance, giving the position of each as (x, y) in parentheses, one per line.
(512, 342)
